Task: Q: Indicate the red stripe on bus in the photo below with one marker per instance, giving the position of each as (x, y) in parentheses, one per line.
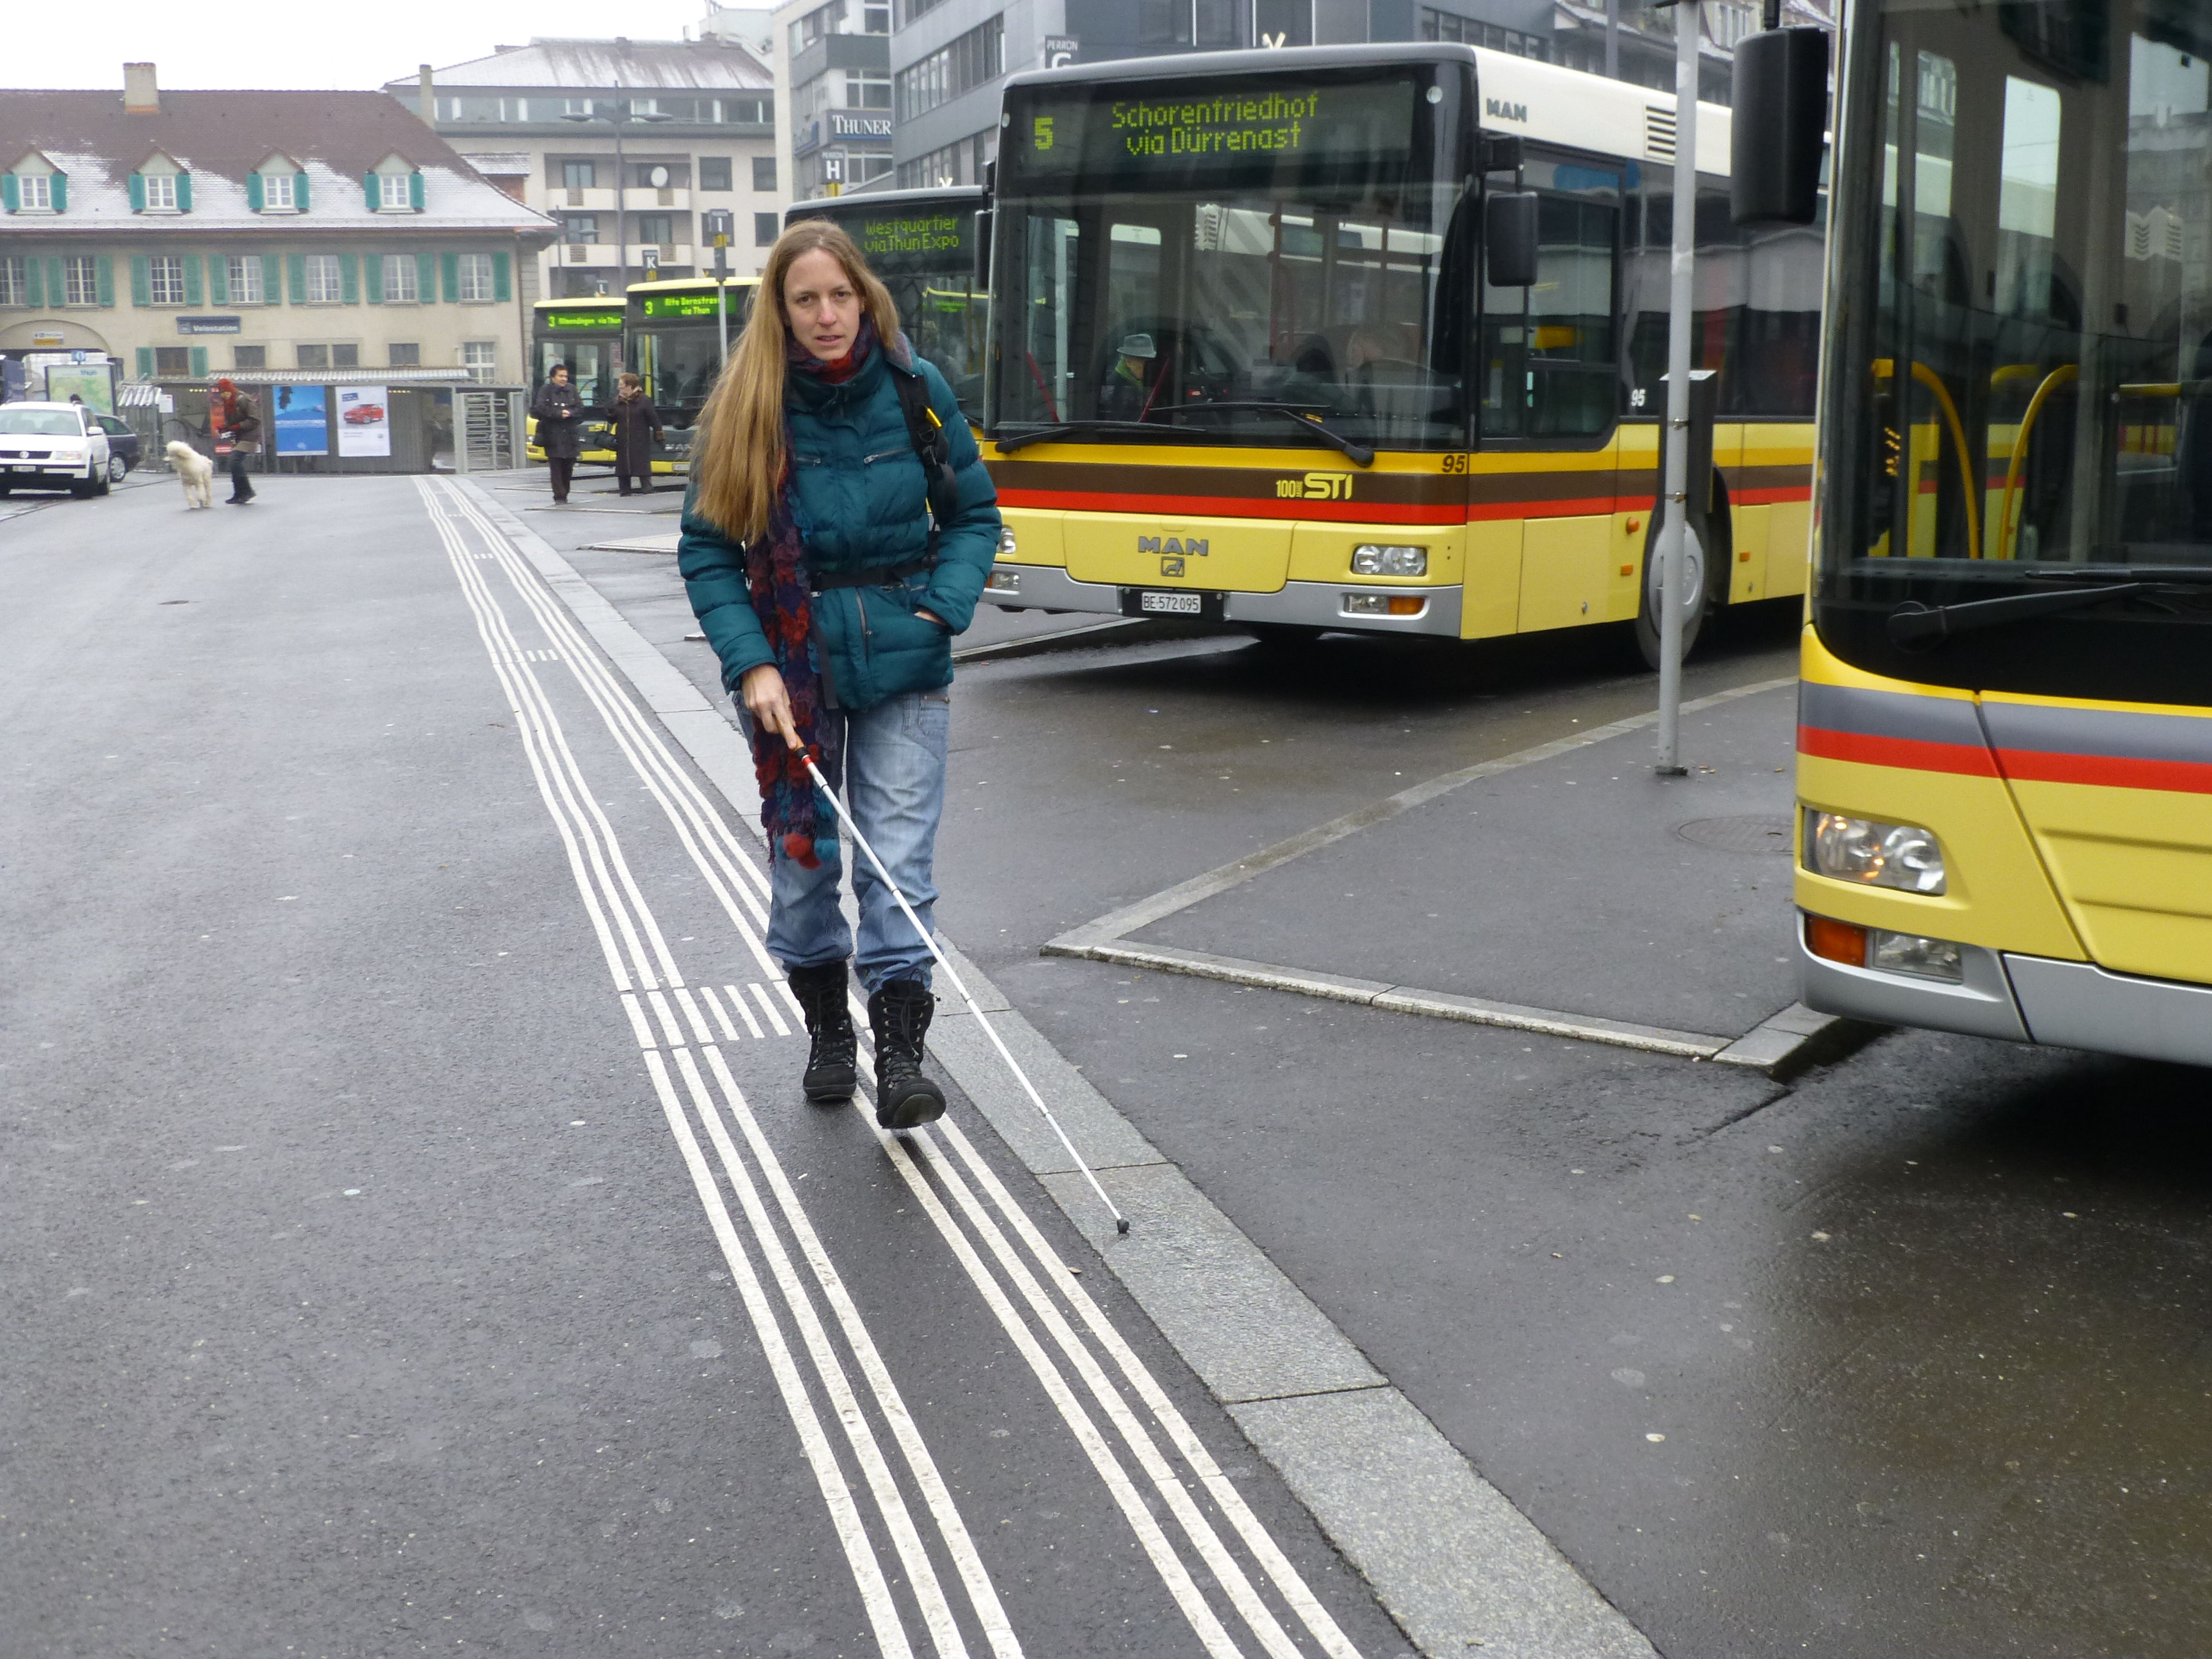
(1770, 497)
(1911, 754)
(1231, 506)
(2108, 771)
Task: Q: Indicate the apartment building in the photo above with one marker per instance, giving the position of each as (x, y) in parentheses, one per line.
(835, 56)
(186, 234)
(626, 144)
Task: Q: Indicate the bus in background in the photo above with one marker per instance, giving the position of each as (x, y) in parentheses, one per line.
(922, 244)
(675, 347)
(1246, 367)
(2005, 725)
(586, 334)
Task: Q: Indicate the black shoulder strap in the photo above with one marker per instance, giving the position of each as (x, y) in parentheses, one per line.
(931, 447)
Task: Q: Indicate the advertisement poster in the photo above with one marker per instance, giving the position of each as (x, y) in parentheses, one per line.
(364, 420)
(90, 382)
(299, 419)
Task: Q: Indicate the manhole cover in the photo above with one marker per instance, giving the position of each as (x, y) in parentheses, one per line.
(1744, 834)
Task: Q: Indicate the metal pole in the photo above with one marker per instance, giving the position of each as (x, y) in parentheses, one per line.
(1675, 529)
(622, 221)
(722, 316)
(1613, 40)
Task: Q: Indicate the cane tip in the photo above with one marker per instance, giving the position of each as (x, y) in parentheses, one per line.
(1120, 1224)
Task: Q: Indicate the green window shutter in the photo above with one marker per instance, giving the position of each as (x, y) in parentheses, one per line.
(11, 194)
(449, 269)
(415, 195)
(272, 292)
(218, 280)
(137, 192)
(300, 192)
(193, 296)
(106, 268)
(368, 189)
(60, 185)
(145, 362)
(372, 271)
(296, 278)
(142, 290)
(184, 192)
(502, 277)
(199, 362)
(253, 201)
(426, 278)
(349, 279)
(34, 283)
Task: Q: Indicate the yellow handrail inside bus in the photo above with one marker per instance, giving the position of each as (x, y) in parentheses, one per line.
(2051, 382)
(1884, 369)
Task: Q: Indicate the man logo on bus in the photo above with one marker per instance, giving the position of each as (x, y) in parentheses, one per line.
(1173, 547)
(1042, 133)
(1502, 111)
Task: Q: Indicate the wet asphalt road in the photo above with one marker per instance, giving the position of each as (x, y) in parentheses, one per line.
(1924, 1333)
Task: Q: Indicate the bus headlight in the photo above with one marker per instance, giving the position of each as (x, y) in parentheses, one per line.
(1369, 559)
(1005, 541)
(1003, 581)
(1875, 854)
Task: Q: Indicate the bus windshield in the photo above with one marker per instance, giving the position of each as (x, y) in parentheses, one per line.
(675, 341)
(922, 246)
(2019, 380)
(1204, 251)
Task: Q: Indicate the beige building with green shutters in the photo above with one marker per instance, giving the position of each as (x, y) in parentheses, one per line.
(293, 234)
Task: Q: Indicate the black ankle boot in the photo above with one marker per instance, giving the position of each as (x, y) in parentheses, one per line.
(832, 1069)
(899, 1014)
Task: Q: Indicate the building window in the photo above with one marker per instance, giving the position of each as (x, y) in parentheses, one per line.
(36, 191)
(277, 192)
(165, 280)
(323, 282)
(866, 89)
(579, 175)
(241, 279)
(580, 228)
(314, 357)
(475, 277)
(656, 227)
(394, 192)
(481, 359)
(1469, 31)
(345, 356)
(161, 192)
(405, 355)
(822, 20)
(876, 17)
(11, 280)
(764, 173)
(713, 172)
(173, 362)
(249, 356)
(400, 284)
(915, 9)
(969, 61)
(764, 229)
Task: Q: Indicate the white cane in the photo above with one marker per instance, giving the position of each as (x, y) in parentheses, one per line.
(1121, 1221)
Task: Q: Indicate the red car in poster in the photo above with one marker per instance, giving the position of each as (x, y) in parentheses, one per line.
(364, 414)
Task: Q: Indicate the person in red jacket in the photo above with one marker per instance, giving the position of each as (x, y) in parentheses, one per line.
(237, 421)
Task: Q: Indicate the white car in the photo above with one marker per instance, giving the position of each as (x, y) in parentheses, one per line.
(52, 446)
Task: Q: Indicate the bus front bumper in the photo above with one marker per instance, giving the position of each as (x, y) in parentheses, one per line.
(1295, 605)
(2021, 999)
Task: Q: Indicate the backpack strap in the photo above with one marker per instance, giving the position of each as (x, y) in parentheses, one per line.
(931, 447)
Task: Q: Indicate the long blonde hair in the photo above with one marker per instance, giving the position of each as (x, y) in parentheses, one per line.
(737, 457)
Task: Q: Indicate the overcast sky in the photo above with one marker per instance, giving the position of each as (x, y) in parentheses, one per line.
(302, 43)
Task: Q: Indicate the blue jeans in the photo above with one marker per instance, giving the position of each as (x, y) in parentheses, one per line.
(888, 762)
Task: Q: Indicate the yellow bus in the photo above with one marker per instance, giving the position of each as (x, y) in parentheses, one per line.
(2005, 728)
(675, 347)
(587, 334)
(1247, 366)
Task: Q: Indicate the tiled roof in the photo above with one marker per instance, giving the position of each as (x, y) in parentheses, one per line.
(608, 66)
(222, 137)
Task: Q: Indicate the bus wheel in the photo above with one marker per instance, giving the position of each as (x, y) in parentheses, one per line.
(1699, 563)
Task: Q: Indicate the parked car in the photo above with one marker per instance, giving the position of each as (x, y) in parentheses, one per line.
(123, 447)
(47, 446)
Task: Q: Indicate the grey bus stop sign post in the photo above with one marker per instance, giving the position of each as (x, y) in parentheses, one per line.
(1672, 566)
(718, 228)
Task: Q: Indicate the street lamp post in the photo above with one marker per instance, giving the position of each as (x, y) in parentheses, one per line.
(619, 114)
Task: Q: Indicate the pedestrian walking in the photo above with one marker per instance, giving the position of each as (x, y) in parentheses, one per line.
(637, 425)
(559, 413)
(836, 537)
(238, 423)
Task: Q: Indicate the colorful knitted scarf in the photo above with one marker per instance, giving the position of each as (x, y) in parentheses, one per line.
(792, 810)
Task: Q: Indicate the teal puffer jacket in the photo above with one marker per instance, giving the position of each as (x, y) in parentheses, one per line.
(860, 502)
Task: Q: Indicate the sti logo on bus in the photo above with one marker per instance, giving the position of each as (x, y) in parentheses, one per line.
(1315, 487)
(1501, 111)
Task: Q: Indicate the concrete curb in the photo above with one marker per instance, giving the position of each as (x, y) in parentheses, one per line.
(1446, 1553)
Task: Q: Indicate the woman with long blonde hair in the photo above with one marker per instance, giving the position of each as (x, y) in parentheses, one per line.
(837, 535)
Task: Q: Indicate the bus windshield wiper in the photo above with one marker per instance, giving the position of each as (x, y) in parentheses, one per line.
(1914, 624)
(1360, 453)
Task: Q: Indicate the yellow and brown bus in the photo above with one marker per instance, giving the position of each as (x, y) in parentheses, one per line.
(587, 334)
(2005, 727)
(1246, 365)
(675, 339)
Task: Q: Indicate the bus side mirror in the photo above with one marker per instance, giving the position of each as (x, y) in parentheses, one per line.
(1508, 239)
(1779, 127)
(979, 280)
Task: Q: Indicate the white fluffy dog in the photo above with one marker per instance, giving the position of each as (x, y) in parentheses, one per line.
(196, 471)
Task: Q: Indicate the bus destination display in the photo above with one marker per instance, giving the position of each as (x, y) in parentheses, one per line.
(907, 236)
(690, 305)
(1238, 128)
(596, 319)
